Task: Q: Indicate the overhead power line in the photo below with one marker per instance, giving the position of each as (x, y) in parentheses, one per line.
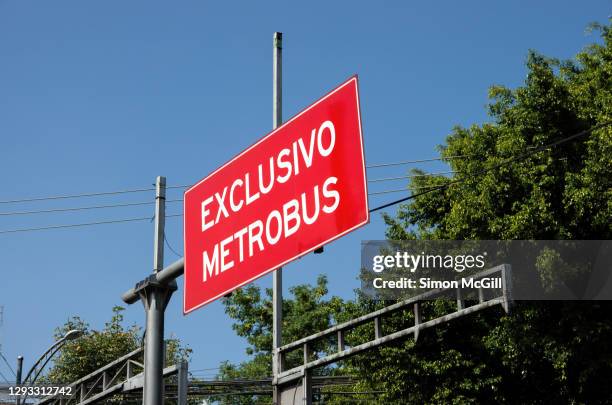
(525, 155)
(115, 221)
(498, 165)
(399, 190)
(8, 364)
(4, 378)
(92, 207)
(408, 162)
(410, 197)
(61, 197)
(141, 203)
(43, 228)
(140, 190)
(170, 247)
(410, 176)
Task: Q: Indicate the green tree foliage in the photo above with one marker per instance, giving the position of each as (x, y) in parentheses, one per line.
(543, 352)
(554, 352)
(307, 312)
(95, 349)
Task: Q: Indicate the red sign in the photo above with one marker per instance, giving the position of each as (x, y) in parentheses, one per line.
(296, 189)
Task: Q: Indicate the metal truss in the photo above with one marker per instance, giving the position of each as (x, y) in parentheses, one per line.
(121, 376)
(477, 301)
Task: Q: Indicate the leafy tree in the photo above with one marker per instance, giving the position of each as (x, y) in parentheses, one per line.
(307, 312)
(556, 352)
(95, 349)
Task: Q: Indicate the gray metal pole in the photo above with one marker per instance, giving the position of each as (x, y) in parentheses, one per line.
(155, 299)
(165, 277)
(307, 388)
(18, 373)
(153, 393)
(160, 223)
(19, 370)
(277, 281)
(183, 382)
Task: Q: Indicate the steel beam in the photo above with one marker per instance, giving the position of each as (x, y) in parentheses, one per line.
(165, 276)
(301, 372)
(277, 277)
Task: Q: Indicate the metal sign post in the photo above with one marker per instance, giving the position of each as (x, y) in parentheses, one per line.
(155, 297)
(295, 190)
(277, 281)
(298, 188)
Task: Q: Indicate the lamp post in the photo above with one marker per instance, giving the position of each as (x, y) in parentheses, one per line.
(42, 361)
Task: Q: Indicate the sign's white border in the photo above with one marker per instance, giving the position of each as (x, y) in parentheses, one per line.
(367, 219)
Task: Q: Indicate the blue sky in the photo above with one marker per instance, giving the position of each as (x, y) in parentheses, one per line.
(103, 96)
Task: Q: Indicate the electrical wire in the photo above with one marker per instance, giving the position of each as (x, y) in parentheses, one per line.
(44, 228)
(411, 176)
(170, 247)
(373, 180)
(296, 388)
(407, 162)
(410, 197)
(429, 190)
(92, 207)
(61, 197)
(5, 379)
(377, 180)
(8, 365)
(502, 163)
(116, 221)
(139, 190)
(398, 190)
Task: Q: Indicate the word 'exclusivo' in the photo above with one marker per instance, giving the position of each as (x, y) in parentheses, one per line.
(282, 222)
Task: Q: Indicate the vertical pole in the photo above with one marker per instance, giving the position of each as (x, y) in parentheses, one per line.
(417, 320)
(307, 387)
(18, 372)
(507, 287)
(460, 302)
(307, 378)
(277, 281)
(155, 298)
(183, 383)
(160, 223)
(377, 327)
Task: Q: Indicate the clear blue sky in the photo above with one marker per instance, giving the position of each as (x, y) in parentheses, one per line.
(101, 96)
